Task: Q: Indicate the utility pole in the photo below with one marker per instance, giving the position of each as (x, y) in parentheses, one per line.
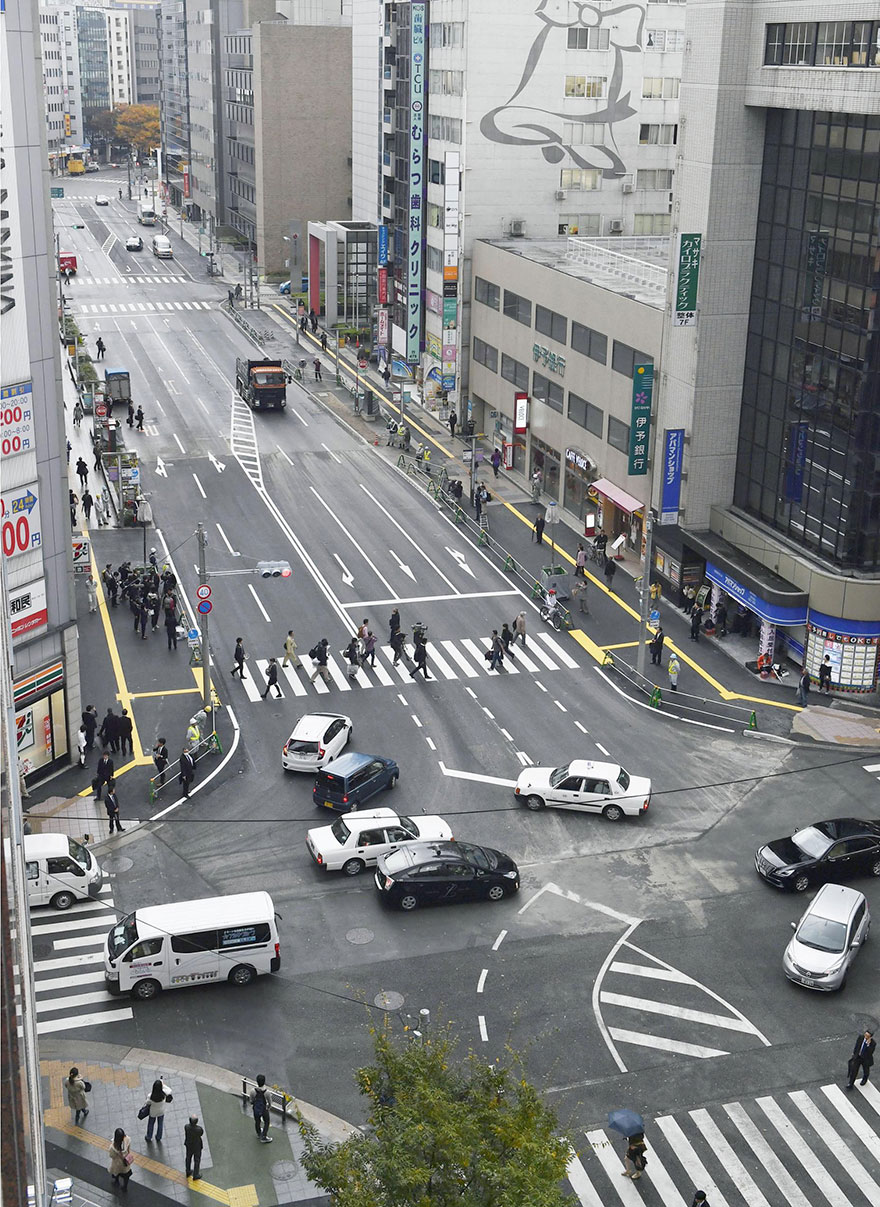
(645, 596)
(203, 624)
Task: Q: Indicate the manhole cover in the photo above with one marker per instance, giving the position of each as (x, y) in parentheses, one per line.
(284, 1171)
(116, 863)
(388, 1000)
(360, 934)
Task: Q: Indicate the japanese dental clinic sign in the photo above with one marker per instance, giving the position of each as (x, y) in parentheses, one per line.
(642, 395)
(416, 186)
(687, 280)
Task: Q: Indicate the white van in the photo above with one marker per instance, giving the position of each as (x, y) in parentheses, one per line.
(232, 939)
(59, 870)
(162, 247)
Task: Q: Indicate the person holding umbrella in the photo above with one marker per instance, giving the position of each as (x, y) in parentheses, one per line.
(631, 1125)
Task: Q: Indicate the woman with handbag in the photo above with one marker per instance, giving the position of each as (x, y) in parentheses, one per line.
(76, 1095)
(121, 1159)
(155, 1104)
(635, 1160)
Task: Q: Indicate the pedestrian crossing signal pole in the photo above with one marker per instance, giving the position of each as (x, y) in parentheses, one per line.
(645, 593)
(203, 623)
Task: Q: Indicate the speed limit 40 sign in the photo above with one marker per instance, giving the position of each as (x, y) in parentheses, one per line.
(20, 520)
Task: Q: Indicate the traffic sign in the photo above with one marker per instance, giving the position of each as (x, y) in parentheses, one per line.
(654, 616)
(101, 410)
(205, 606)
(204, 592)
(55, 191)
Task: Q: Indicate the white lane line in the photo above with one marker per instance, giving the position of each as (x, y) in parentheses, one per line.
(299, 417)
(96, 957)
(159, 406)
(249, 683)
(507, 735)
(430, 743)
(439, 663)
(476, 652)
(266, 615)
(226, 541)
(470, 691)
(49, 1004)
(501, 937)
(179, 445)
(604, 751)
(801, 1151)
(339, 676)
(484, 1034)
(479, 779)
(541, 685)
(199, 485)
(82, 907)
(581, 727)
(642, 1040)
(456, 655)
(68, 982)
(848, 1112)
(293, 678)
(489, 714)
(872, 766)
(81, 941)
(672, 1011)
(382, 579)
(560, 706)
(580, 1183)
(414, 599)
(106, 921)
(524, 758)
(83, 1020)
(402, 698)
(846, 1158)
(482, 981)
(338, 460)
(523, 658)
(284, 455)
(610, 1162)
(416, 720)
(694, 1167)
(542, 656)
(380, 672)
(418, 548)
(718, 1143)
(558, 651)
(656, 974)
(203, 406)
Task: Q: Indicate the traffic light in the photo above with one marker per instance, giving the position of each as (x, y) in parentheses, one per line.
(274, 569)
(78, 226)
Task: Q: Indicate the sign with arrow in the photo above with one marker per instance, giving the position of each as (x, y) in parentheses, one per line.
(403, 567)
(460, 558)
(20, 509)
(218, 465)
(347, 576)
(160, 468)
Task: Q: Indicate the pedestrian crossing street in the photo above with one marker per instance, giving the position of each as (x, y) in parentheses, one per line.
(806, 1148)
(447, 660)
(128, 280)
(69, 984)
(141, 307)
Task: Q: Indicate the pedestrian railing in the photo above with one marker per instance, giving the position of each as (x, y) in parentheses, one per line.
(278, 1099)
(210, 744)
(698, 707)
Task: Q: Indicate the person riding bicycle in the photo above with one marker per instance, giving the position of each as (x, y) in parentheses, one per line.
(551, 603)
(600, 543)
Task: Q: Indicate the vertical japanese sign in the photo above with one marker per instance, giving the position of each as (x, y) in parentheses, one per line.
(796, 461)
(382, 329)
(686, 280)
(643, 390)
(383, 246)
(814, 281)
(452, 169)
(670, 494)
(416, 188)
(15, 365)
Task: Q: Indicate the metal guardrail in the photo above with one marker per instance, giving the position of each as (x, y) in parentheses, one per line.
(248, 328)
(279, 1100)
(681, 702)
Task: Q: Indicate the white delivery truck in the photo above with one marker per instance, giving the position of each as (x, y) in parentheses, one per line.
(59, 870)
(232, 939)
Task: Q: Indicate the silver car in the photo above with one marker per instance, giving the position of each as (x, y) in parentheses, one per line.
(828, 938)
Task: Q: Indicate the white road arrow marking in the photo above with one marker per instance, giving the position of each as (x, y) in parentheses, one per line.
(218, 465)
(459, 557)
(160, 468)
(404, 568)
(347, 576)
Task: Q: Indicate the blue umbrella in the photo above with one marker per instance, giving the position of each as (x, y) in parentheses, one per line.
(628, 1123)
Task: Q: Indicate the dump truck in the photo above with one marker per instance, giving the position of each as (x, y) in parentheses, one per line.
(261, 383)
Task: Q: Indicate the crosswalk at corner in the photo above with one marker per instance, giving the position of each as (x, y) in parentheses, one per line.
(69, 984)
(802, 1148)
(447, 660)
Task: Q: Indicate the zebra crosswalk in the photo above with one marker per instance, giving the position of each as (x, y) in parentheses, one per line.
(129, 280)
(69, 984)
(802, 1148)
(447, 660)
(141, 307)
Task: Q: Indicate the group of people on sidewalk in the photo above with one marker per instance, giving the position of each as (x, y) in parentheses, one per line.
(122, 1162)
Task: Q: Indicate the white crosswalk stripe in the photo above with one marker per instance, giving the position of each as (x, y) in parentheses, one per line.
(804, 1148)
(448, 660)
(139, 307)
(69, 987)
(138, 279)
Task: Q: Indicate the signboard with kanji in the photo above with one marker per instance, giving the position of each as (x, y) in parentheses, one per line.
(643, 390)
(687, 280)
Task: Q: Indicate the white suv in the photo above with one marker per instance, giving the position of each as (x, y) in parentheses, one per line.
(356, 840)
(828, 938)
(587, 787)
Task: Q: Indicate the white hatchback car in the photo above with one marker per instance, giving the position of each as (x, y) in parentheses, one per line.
(102, 200)
(356, 840)
(587, 787)
(317, 739)
(828, 938)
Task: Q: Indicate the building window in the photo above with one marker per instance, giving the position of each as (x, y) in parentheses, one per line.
(654, 178)
(832, 44)
(581, 38)
(579, 134)
(592, 86)
(434, 259)
(487, 293)
(446, 128)
(660, 88)
(774, 45)
(589, 342)
(447, 33)
(624, 359)
(548, 322)
(485, 354)
(436, 171)
(618, 434)
(652, 224)
(800, 38)
(580, 179)
(579, 224)
(434, 215)
(516, 307)
(585, 414)
(547, 391)
(446, 83)
(664, 39)
(514, 371)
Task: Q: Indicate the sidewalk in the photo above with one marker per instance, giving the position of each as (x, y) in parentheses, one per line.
(236, 1169)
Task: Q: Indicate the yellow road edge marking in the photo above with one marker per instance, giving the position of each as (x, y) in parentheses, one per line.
(597, 651)
(624, 645)
(172, 691)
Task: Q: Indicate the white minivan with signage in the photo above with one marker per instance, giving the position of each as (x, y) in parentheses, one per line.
(232, 939)
(59, 870)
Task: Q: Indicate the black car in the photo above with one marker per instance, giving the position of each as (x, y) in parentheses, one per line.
(431, 873)
(826, 850)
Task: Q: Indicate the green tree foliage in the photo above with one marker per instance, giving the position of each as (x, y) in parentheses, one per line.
(138, 125)
(444, 1131)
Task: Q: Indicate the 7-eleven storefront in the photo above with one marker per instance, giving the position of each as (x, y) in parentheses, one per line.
(41, 720)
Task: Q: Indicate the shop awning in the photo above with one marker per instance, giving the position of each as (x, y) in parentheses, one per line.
(618, 496)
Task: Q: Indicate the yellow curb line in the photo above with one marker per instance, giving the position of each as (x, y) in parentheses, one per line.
(173, 691)
(596, 651)
(624, 645)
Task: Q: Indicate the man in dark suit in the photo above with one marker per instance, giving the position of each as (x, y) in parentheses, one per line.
(192, 1143)
(862, 1058)
(187, 771)
(103, 773)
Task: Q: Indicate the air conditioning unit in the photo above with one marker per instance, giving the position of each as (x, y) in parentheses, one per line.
(561, 194)
(518, 228)
(615, 226)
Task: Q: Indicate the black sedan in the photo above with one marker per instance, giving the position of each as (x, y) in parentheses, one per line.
(826, 850)
(434, 873)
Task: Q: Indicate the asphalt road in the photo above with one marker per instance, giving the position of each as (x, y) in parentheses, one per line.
(558, 971)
